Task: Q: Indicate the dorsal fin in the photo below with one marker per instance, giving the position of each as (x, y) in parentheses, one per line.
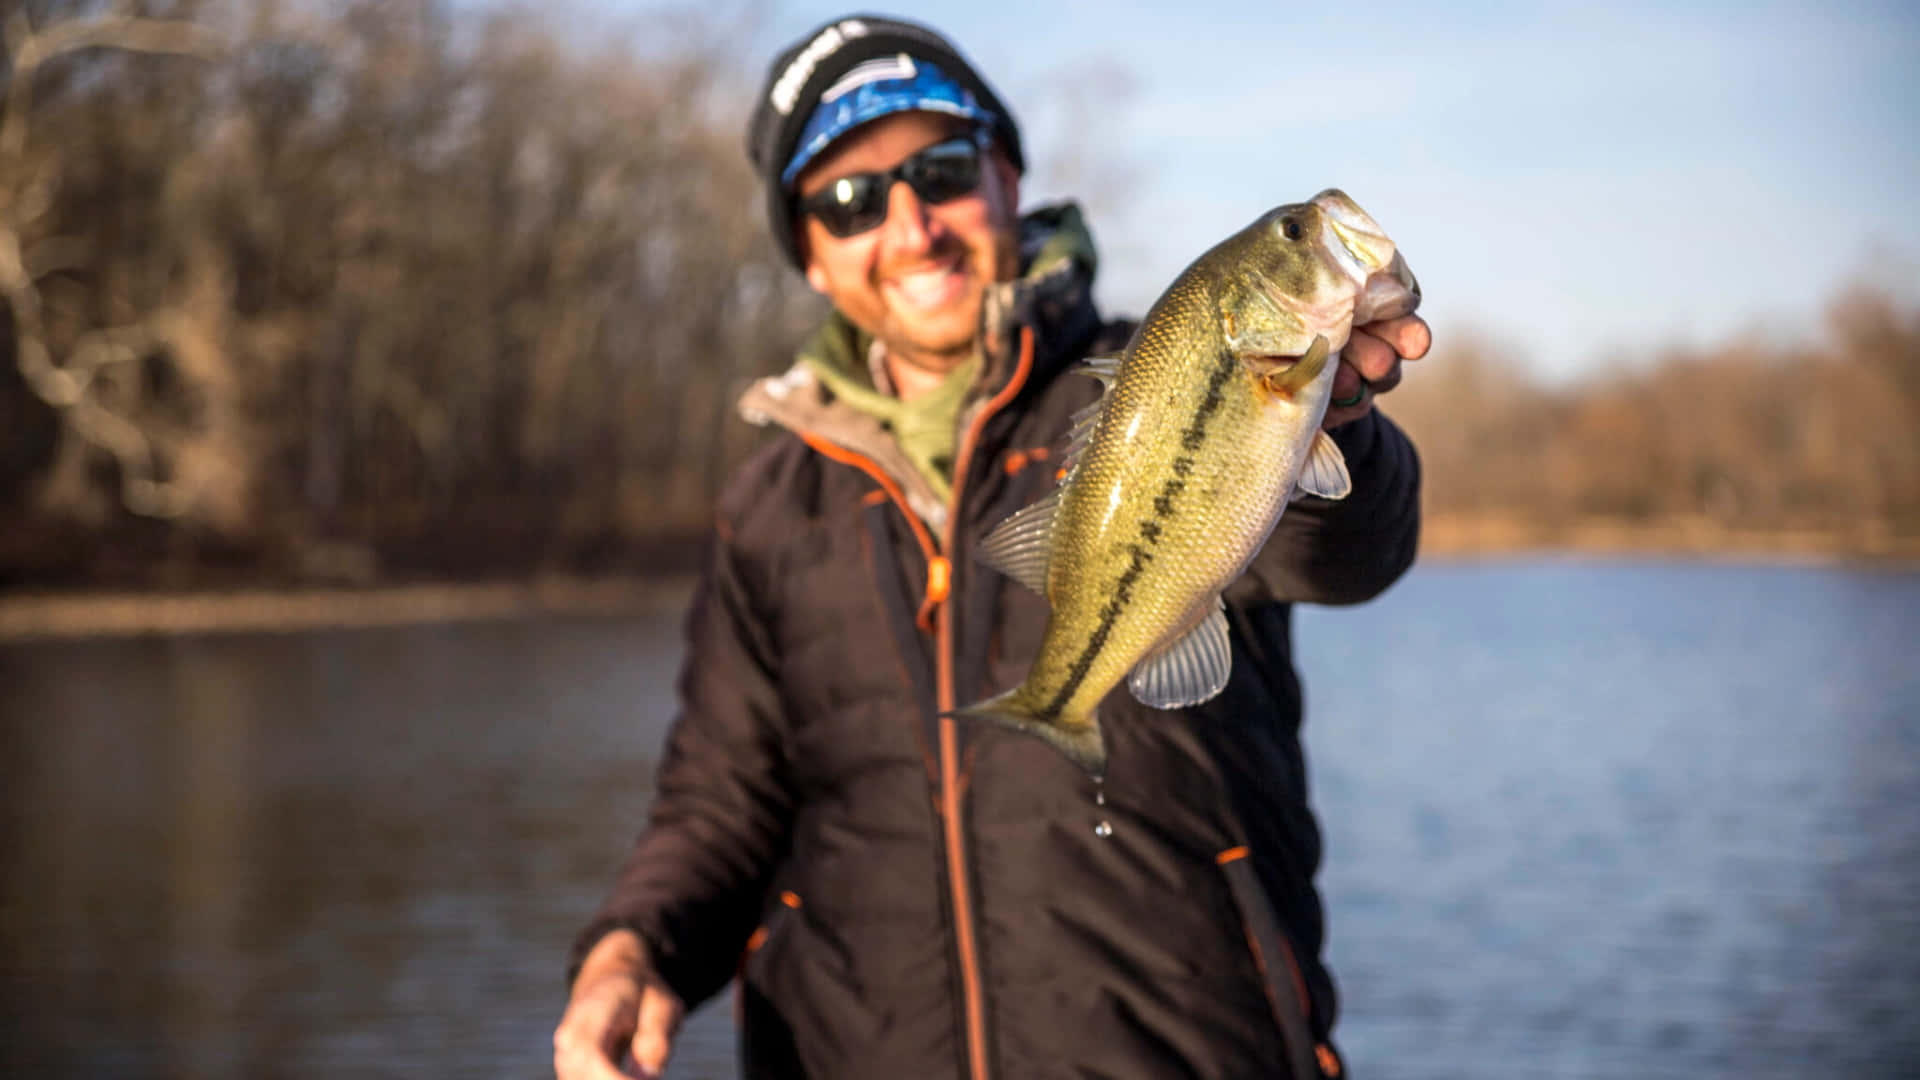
(1019, 547)
(1085, 419)
(1104, 368)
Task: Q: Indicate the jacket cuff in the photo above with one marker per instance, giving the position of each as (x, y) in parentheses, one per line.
(1358, 439)
(596, 930)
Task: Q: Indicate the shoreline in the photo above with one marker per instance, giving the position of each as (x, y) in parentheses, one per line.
(63, 614)
(1481, 537)
(47, 615)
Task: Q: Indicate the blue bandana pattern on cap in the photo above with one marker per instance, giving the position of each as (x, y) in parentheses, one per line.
(886, 84)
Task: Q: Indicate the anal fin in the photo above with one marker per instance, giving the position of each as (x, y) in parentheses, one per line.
(1190, 670)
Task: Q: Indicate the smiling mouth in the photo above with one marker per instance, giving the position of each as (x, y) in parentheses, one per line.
(930, 287)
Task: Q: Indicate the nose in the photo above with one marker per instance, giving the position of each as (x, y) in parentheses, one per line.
(909, 227)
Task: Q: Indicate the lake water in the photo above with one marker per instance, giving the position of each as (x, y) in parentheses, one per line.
(1584, 820)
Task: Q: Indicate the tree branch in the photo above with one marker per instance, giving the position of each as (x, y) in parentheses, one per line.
(66, 386)
(128, 33)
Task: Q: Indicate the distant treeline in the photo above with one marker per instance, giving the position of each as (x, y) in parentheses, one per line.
(359, 288)
(1817, 445)
(399, 288)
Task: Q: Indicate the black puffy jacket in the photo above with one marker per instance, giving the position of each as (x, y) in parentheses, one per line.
(907, 895)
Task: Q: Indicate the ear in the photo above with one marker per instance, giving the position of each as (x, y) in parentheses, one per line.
(1008, 177)
(803, 243)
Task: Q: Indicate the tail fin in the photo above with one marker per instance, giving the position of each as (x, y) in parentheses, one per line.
(1077, 737)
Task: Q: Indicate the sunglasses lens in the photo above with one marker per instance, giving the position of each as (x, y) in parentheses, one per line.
(947, 171)
(853, 204)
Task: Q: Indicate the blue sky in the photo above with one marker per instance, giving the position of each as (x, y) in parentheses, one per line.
(1584, 183)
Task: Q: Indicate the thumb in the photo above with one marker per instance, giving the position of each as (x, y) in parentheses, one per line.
(659, 1021)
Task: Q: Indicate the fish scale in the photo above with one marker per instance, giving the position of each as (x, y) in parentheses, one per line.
(1209, 425)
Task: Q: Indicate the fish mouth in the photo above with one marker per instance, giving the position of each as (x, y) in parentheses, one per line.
(1388, 294)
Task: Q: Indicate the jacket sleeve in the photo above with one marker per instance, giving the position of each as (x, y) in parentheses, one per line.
(1348, 550)
(693, 884)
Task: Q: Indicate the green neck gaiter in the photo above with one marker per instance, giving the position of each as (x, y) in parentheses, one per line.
(925, 428)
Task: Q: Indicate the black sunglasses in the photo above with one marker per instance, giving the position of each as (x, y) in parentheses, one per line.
(851, 205)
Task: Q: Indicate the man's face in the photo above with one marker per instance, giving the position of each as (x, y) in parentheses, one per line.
(915, 281)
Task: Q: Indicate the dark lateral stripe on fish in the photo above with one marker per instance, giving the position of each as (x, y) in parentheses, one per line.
(1122, 596)
(1196, 433)
(1191, 439)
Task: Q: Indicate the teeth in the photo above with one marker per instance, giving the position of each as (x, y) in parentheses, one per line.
(925, 286)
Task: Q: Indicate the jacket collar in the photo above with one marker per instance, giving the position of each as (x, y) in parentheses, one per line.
(1053, 295)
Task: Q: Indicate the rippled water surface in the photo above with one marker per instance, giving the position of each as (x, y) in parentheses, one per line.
(1583, 820)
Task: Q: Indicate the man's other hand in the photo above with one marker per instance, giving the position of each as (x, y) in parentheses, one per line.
(1370, 365)
(619, 1007)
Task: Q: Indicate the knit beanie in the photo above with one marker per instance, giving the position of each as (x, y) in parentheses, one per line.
(803, 74)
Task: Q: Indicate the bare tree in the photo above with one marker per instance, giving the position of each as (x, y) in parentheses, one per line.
(96, 365)
(408, 287)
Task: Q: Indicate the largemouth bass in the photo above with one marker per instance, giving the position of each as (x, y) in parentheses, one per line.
(1210, 424)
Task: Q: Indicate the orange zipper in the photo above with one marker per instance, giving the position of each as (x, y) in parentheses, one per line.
(935, 609)
(951, 783)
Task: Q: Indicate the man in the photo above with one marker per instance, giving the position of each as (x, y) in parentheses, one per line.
(905, 894)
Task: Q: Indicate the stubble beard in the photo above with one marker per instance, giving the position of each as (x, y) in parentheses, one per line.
(944, 347)
(940, 353)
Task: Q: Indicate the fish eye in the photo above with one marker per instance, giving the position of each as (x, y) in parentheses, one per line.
(1291, 228)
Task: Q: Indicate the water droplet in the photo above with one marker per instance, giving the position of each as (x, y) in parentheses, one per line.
(1104, 829)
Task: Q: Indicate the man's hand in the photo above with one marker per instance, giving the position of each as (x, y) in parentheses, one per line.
(1370, 365)
(619, 1006)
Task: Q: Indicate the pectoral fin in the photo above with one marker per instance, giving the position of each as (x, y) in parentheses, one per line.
(1325, 473)
(1190, 670)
